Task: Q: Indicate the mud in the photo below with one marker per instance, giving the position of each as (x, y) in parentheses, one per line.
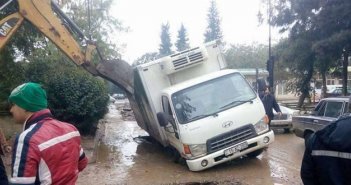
(126, 155)
(122, 153)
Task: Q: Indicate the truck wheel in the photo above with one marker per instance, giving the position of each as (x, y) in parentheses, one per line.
(286, 130)
(175, 156)
(254, 153)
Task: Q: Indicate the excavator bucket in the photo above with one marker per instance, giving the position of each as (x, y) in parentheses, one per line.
(121, 74)
(118, 72)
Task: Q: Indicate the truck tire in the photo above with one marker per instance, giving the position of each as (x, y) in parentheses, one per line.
(254, 153)
(286, 130)
(175, 156)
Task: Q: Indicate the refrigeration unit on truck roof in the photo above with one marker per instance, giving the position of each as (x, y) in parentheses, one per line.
(189, 63)
(184, 60)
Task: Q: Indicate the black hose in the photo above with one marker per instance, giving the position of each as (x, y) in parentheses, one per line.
(72, 25)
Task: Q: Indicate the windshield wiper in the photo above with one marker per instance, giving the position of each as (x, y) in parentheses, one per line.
(203, 115)
(236, 101)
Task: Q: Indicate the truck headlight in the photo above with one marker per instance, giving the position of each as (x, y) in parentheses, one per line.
(261, 126)
(197, 150)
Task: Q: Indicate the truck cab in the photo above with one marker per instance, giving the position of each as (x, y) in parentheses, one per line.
(214, 118)
(207, 113)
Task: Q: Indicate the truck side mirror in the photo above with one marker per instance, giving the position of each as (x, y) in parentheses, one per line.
(163, 119)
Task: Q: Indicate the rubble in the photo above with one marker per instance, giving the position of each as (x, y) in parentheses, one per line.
(126, 111)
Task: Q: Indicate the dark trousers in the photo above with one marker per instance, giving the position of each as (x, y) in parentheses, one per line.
(269, 123)
(3, 176)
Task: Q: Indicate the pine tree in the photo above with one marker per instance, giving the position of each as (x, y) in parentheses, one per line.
(213, 30)
(145, 58)
(166, 45)
(183, 41)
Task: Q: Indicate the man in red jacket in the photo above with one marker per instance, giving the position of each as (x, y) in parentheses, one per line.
(48, 151)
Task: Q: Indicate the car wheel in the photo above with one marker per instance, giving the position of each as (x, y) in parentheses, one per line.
(254, 153)
(286, 130)
(307, 136)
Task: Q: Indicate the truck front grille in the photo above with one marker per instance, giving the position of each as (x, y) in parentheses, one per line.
(230, 138)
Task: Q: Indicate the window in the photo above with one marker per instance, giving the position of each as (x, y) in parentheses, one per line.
(319, 110)
(211, 97)
(165, 106)
(333, 109)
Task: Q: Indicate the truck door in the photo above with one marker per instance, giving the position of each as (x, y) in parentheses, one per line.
(172, 128)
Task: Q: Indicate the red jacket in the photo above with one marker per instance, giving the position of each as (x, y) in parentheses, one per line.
(47, 152)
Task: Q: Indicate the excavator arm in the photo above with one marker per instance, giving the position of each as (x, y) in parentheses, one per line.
(46, 16)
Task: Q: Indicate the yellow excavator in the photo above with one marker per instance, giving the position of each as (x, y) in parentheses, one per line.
(49, 19)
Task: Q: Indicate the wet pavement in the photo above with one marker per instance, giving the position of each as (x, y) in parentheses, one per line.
(125, 155)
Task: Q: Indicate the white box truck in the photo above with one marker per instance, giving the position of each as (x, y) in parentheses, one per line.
(208, 114)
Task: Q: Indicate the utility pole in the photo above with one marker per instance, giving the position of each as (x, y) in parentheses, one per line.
(89, 9)
(270, 61)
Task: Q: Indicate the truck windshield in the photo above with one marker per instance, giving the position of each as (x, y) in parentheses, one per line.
(210, 97)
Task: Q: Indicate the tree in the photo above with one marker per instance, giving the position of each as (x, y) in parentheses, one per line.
(213, 31)
(325, 24)
(147, 57)
(100, 26)
(11, 74)
(183, 41)
(298, 56)
(246, 56)
(166, 45)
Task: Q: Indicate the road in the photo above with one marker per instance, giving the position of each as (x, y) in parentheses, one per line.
(125, 156)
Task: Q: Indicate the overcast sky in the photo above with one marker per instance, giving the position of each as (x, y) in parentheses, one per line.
(144, 18)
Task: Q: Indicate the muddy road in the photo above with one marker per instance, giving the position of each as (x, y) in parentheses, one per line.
(125, 156)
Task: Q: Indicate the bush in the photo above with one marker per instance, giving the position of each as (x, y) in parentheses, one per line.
(74, 95)
(11, 74)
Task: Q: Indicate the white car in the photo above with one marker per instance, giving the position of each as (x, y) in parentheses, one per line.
(285, 120)
(118, 96)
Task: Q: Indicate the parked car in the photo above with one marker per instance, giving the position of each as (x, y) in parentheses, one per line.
(285, 120)
(326, 111)
(118, 96)
(337, 92)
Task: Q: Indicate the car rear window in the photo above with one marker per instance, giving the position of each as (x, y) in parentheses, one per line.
(333, 109)
(320, 108)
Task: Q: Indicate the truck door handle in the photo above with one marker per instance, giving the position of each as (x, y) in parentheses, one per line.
(315, 121)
